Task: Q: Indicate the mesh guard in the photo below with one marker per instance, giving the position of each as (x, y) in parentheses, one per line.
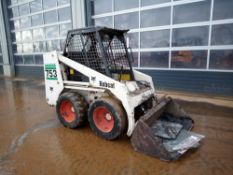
(101, 49)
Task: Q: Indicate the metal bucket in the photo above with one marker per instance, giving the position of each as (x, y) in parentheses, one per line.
(146, 139)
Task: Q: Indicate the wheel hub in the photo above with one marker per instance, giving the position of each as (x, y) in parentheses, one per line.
(103, 119)
(108, 117)
(67, 111)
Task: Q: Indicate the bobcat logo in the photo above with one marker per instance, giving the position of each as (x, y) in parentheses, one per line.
(106, 84)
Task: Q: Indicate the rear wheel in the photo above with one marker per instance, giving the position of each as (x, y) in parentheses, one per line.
(107, 118)
(71, 109)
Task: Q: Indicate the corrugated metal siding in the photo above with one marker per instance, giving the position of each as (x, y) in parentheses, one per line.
(29, 71)
(1, 70)
(219, 83)
(194, 81)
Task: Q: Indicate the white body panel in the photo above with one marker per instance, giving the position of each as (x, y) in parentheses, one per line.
(53, 78)
(127, 92)
(143, 77)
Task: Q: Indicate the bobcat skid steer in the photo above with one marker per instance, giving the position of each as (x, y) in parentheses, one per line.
(94, 80)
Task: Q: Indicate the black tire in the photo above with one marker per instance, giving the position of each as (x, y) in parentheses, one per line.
(71, 110)
(113, 109)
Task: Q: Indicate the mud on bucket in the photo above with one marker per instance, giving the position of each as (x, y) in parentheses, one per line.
(164, 131)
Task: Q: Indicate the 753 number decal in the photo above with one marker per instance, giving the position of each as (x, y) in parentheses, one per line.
(50, 72)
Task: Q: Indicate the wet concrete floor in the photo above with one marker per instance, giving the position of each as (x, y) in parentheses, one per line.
(32, 141)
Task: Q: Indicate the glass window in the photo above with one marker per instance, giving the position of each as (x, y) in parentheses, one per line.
(52, 32)
(222, 34)
(38, 59)
(62, 2)
(105, 21)
(14, 48)
(27, 48)
(18, 59)
(16, 24)
(39, 46)
(13, 37)
(123, 4)
(15, 11)
(62, 43)
(223, 9)
(36, 6)
(152, 17)
(221, 59)
(189, 59)
(18, 48)
(12, 25)
(127, 21)
(50, 17)
(64, 14)
(49, 4)
(192, 12)
(158, 38)
(25, 22)
(13, 1)
(133, 40)
(18, 36)
(154, 59)
(135, 59)
(102, 6)
(37, 20)
(53, 45)
(153, 2)
(28, 59)
(64, 28)
(24, 9)
(26, 35)
(190, 36)
(38, 34)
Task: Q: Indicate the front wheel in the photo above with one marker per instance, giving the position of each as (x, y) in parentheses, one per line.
(107, 118)
(71, 109)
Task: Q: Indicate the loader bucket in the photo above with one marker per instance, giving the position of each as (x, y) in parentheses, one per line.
(163, 132)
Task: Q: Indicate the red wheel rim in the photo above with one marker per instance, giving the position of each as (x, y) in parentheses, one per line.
(103, 119)
(67, 111)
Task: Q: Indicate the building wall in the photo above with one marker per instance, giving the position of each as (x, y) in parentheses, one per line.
(219, 83)
(177, 34)
(30, 71)
(1, 58)
(176, 38)
(37, 26)
(175, 41)
(1, 70)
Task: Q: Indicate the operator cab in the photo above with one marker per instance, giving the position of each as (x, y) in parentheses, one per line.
(102, 49)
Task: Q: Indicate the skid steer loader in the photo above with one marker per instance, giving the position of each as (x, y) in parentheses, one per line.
(94, 80)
